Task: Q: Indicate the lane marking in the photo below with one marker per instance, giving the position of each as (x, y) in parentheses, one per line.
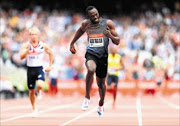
(15, 108)
(82, 115)
(40, 112)
(22, 107)
(109, 114)
(170, 104)
(138, 109)
(17, 117)
(143, 107)
(4, 108)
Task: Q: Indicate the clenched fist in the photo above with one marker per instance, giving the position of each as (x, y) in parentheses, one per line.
(27, 47)
(107, 32)
(72, 49)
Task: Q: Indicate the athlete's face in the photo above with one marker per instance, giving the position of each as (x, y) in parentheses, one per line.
(34, 36)
(114, 50)
(93, 15)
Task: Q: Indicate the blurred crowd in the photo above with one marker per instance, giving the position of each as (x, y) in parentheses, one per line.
(150, 42)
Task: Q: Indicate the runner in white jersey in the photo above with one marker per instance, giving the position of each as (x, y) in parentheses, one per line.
(33, 52)
(35, 55)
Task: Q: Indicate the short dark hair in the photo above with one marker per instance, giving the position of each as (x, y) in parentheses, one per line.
(89, 8)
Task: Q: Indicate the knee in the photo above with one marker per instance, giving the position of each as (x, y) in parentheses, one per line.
(91, 70)
(31, 92)
(101, 85)
(40, 83)
(40, 86)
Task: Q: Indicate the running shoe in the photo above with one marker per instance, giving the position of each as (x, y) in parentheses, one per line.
(35, 113)
(85, 103)
(39, 95)
(100, 110)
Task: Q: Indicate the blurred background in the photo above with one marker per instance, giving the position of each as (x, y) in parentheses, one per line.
(150, 44)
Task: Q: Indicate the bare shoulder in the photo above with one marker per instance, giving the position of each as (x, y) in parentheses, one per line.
(83, 25)
(84, 21)
(110, 23)
(45, 45)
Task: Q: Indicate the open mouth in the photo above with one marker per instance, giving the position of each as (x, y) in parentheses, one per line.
(96, 20)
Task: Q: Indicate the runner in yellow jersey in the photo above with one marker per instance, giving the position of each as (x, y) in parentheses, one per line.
(115, 64)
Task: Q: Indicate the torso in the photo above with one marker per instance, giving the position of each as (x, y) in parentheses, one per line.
(97, 43)
(35, 55)
(113, 64)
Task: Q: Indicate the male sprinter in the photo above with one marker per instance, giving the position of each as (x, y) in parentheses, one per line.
(115, 64)
(99, 31)
(33, 52)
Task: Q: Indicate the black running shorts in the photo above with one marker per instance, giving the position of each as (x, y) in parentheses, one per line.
(101, 63)
(33, 74)
(111, 79)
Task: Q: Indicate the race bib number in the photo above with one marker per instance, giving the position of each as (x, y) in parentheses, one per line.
(96, 40)
(32, 57)
(112, 71)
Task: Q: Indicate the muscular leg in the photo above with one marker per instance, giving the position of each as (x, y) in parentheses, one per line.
(102, 89)
(32, 98)
(115, 87)
(109, 81)
(40, 84)
(115, 92)
(91, 68)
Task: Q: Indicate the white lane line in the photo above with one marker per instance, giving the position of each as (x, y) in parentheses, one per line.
(143, 107)
(138, 109)
(114, 115)
(17, 117)
(168, 103)
(81, 116)
(15, 108)
(40, 112)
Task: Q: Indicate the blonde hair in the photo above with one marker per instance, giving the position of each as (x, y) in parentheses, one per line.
(34, 30)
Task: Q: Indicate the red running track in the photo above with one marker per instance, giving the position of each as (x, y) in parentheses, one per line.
(65, 110)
